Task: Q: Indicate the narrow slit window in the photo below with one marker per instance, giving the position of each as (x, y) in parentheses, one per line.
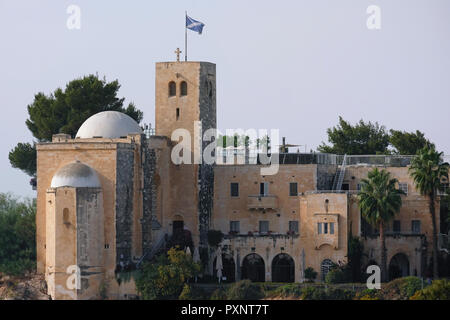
(178, 114)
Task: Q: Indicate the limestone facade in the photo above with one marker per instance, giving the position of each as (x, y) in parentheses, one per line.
(275, 226)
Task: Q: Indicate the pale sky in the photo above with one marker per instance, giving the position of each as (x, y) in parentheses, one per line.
(289, 64)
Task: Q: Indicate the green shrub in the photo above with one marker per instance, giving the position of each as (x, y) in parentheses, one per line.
(313, 293)
(318, 293)
(310, 274)
(400, 289)
(335, 276)
(367, 294)
(165, 279)
(191, 293)
(411, 286)
(438, 290)
(339, 294)
(245, 290)
(219, 294)
(290, 290)
(17, 235)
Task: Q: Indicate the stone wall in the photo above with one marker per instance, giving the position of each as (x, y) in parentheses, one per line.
(124, 204)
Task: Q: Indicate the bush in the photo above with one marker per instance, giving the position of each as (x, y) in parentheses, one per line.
(290, 290)
(400, 289)
(335, 276)
(438, 290)
(17, 235)
(191, 293)
(245, 290)
(318, 293)
(219, 294)
(165, 279)
(310, 274)
(313, 293)
(339, 294)
(367, 294)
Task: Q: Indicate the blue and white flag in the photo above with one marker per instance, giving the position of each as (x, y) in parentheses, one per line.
(194, 25)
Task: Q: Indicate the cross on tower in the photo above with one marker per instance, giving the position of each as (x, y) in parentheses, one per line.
(178, 51)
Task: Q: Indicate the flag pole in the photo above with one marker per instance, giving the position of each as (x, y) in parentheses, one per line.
(185, 37)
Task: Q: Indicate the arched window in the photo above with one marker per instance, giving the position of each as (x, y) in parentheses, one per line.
(183, 89)
(172, 89)
(325, 267)
(66, 217)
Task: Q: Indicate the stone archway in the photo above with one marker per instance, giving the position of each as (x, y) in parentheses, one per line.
(253, 268)
(229, 267)
(399, 266)
(283, 268)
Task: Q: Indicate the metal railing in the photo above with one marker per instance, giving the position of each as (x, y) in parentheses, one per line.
(153, 250)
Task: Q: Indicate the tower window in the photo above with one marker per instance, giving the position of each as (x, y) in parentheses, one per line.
(178, 113)
(234, 189)
(183, 89)
(293, 189)
(172, 89)
(66, 216)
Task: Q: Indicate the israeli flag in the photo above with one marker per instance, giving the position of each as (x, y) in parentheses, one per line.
(194, 25)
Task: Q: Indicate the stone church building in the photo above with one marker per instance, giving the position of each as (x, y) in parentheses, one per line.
(111, 197)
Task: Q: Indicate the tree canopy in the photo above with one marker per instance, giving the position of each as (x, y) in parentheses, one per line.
(165, 278)
(17, 235)
(408, 143)
(367, 138)
(64, 111)
(360, 139)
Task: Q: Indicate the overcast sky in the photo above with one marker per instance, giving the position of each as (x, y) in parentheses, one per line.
(293, 65)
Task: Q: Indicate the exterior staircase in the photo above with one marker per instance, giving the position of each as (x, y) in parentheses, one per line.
(339, 177)
(159, 246)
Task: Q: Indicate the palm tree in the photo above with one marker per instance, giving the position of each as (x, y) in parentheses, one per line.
(427, 170)
(379, 202)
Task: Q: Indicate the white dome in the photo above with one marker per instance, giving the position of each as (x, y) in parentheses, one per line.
(77, 175)
(108, 124)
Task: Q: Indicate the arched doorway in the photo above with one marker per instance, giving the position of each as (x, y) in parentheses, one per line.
(283, 268)
(399, 266)
(325, 267)
(229, 267)
(253, 268)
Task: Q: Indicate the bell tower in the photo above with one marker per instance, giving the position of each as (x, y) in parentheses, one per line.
(185, 93)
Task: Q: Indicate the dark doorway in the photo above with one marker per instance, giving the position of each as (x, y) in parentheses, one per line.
(178, 227)
(229, 267)
(399, 266)
(253, 268)
(283, 268)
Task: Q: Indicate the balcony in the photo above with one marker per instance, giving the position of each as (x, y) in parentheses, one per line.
(261, 202)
